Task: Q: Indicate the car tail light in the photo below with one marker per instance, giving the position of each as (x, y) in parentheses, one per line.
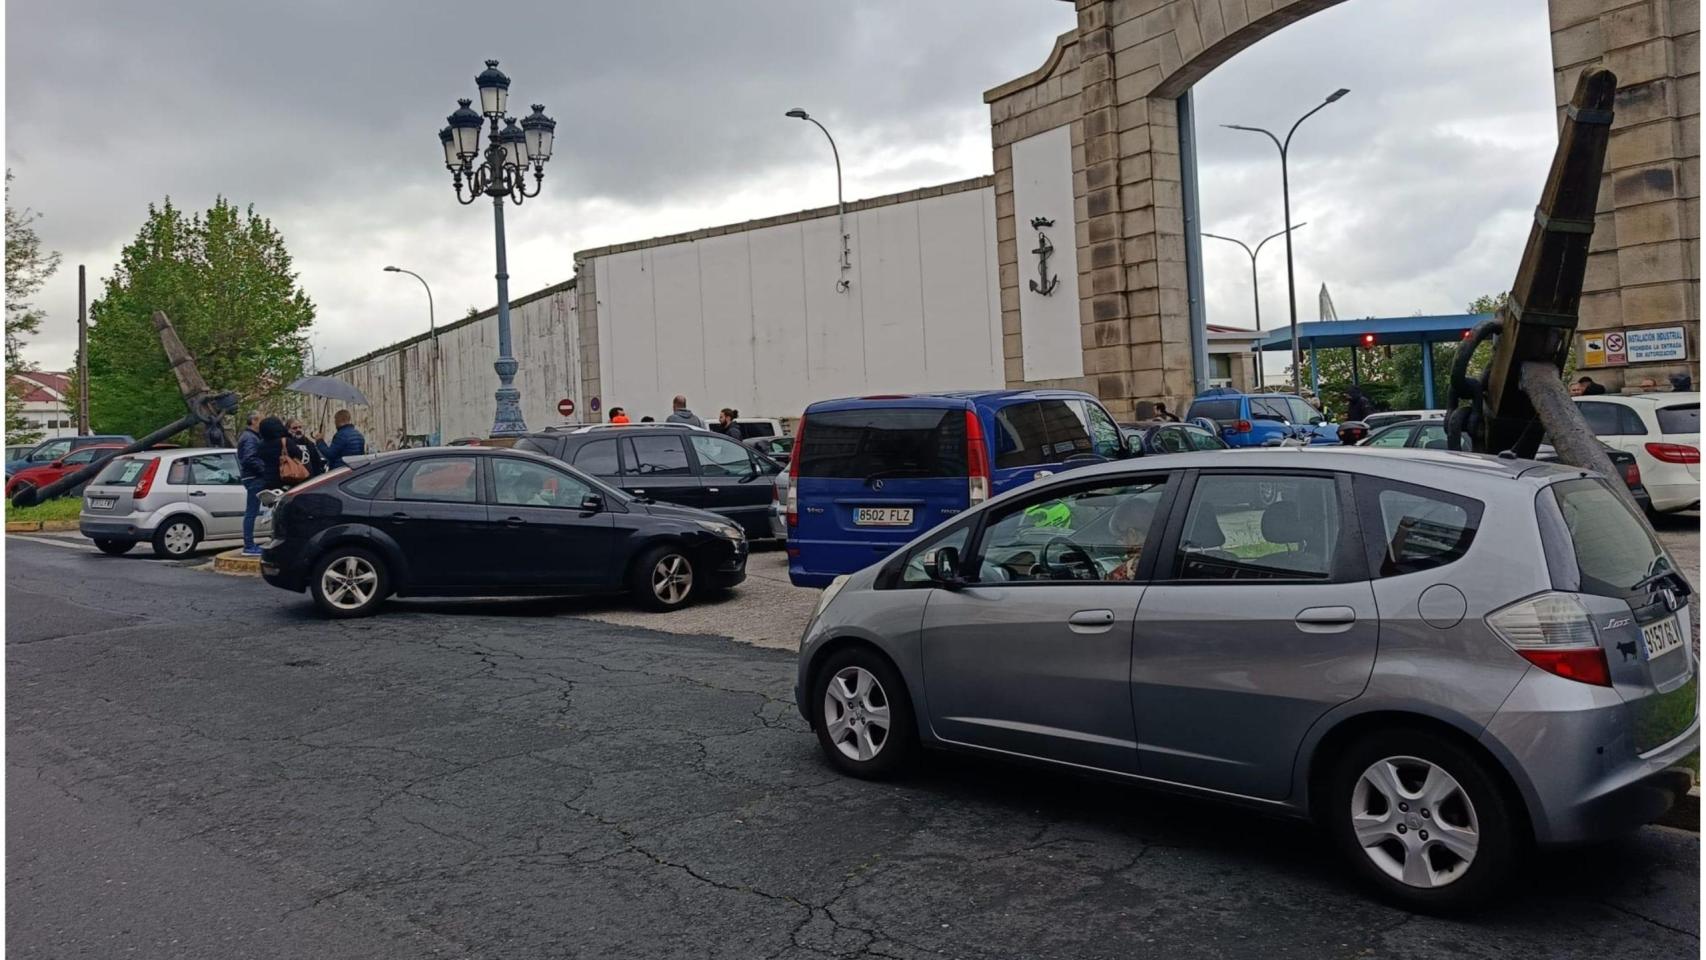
(792, 507)
(1674, 452)
(145, 482)
(1554, 632)
(1242, 426)
(1631, 475)
(977, 460)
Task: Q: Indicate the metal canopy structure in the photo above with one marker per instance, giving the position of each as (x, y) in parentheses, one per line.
(1386, 331)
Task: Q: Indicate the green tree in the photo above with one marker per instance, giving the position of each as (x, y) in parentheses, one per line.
(28, 266)
(1489, 302)
(225, 280)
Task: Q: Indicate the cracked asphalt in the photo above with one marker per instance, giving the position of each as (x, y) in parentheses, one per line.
(198, 766)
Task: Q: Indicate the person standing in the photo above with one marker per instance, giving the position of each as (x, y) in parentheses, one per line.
(680, 414)
(1591, 387)
(347, 441)
(726, 420)
(619, 415)
(1357, 406)
(1681, 383)
(252, 470)
(1162, 413)
(307, 453)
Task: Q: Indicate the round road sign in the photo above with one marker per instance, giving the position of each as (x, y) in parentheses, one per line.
(566, 407)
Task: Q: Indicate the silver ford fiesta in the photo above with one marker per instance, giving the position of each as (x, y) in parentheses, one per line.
(1440, 657)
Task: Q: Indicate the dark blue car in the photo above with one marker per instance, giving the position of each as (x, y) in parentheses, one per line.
(1260, 419)
(869, 474)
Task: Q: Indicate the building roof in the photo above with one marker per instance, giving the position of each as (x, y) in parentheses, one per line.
(45, 386)
(1387, 331)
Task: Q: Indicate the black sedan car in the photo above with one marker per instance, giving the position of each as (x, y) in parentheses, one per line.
(488, 521)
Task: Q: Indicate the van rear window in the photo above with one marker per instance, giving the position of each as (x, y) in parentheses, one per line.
(1218, 410)
(1682, 418)
(885, 441)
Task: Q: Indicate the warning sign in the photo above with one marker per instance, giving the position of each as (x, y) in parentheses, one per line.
(566, 407)
(1616, 353)
(1593, 350)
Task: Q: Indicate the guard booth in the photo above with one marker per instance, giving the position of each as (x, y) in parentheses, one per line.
(1377, 332)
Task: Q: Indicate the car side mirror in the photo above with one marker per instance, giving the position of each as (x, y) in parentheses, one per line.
(942, 566)
(592, 503)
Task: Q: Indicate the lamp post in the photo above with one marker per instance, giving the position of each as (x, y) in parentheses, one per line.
(501, 173)
(437, 363)
(1255, 288)
(843, 284)
(1285, 194)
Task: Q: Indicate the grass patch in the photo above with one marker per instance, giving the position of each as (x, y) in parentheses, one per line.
(59, 508)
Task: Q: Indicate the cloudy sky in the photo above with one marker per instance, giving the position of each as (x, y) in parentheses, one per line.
(1417, 188)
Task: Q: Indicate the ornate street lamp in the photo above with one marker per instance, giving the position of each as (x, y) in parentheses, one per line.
(500, 172)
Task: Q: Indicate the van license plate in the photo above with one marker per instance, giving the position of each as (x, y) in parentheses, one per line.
(882, 516)
(1661, 638)
(102, 503)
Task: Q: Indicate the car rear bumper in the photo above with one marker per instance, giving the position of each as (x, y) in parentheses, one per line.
(281, 567)
(1672, 496)
(116, 528)
(1570, 747)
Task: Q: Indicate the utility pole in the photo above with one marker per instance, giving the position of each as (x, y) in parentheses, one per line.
(82, 355)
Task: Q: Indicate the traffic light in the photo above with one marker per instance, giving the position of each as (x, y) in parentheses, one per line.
(1367, 340)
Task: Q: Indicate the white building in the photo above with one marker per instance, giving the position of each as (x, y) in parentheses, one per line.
(47, 404)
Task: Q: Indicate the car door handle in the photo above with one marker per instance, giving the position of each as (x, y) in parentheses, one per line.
(1326, 619)
(1091, 621)
(399, 516)
(637, 490)
(712, 490)
(513, 521)
(198, 493)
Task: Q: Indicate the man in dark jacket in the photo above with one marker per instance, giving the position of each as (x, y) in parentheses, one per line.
(726, 424)
(1357, 406)
(252, 469)
(346, 442)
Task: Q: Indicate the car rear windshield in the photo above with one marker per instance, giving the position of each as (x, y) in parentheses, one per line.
(123, 472)
(887, 442)
(1613, 549)
(1223, 409)
(1682, 418)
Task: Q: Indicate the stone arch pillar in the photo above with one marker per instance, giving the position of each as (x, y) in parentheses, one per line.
(1112, 85)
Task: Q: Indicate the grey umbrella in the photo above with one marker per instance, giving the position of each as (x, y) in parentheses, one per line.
(330, 388)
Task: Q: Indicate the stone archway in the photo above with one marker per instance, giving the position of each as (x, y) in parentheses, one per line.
(1107, 96)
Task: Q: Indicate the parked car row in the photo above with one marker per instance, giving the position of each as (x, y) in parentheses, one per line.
(47, 451)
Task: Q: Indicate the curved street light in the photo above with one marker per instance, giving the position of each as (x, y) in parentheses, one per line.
(437, 363)
(844, 283)
(1255, 290)
(510, 149)
(1285, 193)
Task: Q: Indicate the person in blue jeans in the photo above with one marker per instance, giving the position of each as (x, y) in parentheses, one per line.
(252, 469)
(347, 441)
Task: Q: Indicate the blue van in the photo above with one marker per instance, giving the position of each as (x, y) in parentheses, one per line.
(1256, 419)
(869, 474)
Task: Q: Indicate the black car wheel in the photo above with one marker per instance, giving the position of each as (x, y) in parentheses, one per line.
(1422, 819)
(862, 716)
(114, 548)
(663, 578)
(176, 538)
(349, 581)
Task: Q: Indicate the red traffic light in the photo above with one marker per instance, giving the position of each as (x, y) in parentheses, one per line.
(1368, 339)
(1466, 334)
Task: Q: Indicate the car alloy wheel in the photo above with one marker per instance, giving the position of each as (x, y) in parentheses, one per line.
(349, 582)
(672, 579)
(856, 713)
(1414, 821)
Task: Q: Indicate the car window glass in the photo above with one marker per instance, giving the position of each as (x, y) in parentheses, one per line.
(179, 473)
(1613, 549)
(598, 458)
(1301, 412)
(441, 479)
(1254, 528)
(213, 468)
(1219, 409)
(51, 452)
(719, 457)
(1629, 422)
(1682, 418)
(884, 441)
(82, 456)
(913, 572)
(1104, 433)
(545, 447)
(1204, 440)
(123, 472)
(1392, 437)
(1601, 417)
(1095, 534)
(1431, 436)
(523, 483)
(1039, 432)
(1412, 528)
(366, 485)
(1171, 440)
(658, 457)
(1268, 408)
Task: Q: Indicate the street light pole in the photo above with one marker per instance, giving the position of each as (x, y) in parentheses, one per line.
(844, 283)
(1285, 195)
(1255, 288)
(437, 361)
(502, 173)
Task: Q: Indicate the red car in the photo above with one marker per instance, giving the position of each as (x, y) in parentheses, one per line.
(49, 472)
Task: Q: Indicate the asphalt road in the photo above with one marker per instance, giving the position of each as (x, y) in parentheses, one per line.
(197, 766)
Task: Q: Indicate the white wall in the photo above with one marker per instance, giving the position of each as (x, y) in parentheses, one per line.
(752, 320)
(1042, 187)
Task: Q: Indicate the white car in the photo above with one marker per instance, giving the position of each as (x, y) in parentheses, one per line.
(1388, 417)
(171, 499)
(1662, 430)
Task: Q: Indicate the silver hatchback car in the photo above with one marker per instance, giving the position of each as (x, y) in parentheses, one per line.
(1439, 657)
(172, 499)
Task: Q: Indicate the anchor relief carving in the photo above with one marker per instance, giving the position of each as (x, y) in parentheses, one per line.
(1043, 250)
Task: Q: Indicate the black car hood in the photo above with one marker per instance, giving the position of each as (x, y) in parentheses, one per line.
(671, 511)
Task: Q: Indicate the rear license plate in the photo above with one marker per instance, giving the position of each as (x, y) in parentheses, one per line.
(102, 503)
(1661, 638)
(882, 516)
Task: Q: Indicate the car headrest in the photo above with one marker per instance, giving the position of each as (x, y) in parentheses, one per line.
(1206, 532)
(1282, 522)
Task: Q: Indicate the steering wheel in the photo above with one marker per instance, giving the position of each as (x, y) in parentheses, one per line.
(1074, 564)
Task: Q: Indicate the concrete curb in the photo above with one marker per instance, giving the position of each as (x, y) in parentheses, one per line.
(40, 526)
(1685, 815)
(233, 561)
